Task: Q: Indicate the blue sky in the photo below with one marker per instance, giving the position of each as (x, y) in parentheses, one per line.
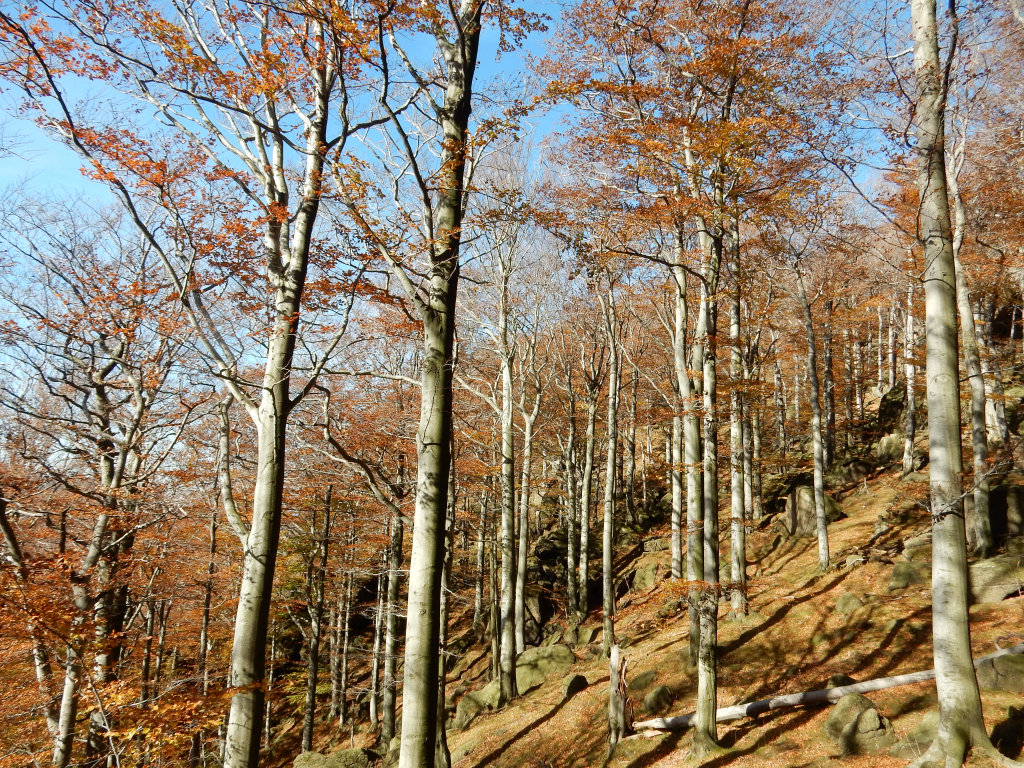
(50, 168)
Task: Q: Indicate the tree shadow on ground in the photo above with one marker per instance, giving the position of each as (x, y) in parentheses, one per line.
(779, 615)
(663, 749)
(494, 754)
(730, 739)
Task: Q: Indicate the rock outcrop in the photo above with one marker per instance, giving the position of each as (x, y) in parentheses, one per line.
(800, 518)
(855, 726)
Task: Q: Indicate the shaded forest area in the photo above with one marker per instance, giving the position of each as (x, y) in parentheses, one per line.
(481, 383)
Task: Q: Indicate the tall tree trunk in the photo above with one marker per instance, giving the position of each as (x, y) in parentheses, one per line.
(495, 608)
(748, 446)
(390, 694)
(911, 374)
(880, 353)
(737, 476)
(960, 716)
(828, 380)
(781, 437)
(990, 367)
(433, 439)
(819, 452)
(692, 447)
(68, 713)
(755, 428)
(705, 738)
(378, 632)
(570, 509)
(629, 459)
(147, 656)
(343, 670)
(334, 657)
(268, 742)
(202, 667)
(608, 543)
(287, 274)
(478, 592)
(507, 686)
(979, 524)
(585, 494)
(315, 597)
(675, 439)
(442, 755)
(689, 428)
(524, 534)
(892, 347)
(849, 389)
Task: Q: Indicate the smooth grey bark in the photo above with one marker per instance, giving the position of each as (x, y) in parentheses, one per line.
(629, 451)
(442, 755)
(737, 474)
(507, 665)
(782, 439)
(586, 493)
(389, 692)
(755, 429)
(147, 655)
(334, 618)
(68, 713)
(478, 588)
(858, 377)
(892, 347)
(960, 715)
(979, 523)
(495, 610)
(204, 629)
(879, 353)
(287, 244)
(611, 326)
(343, 666)
(268, 742)
(849, 389)
(434, 436)
(316, 587)
(378, 634)
(911, 376)
(676, 489)
(525, 485)
(691, 448)
(593, 392)
(748, 454)
(829, 385)
(821, 520)
(617, 726)
(990, 367)
(705, 740)
(569, 457)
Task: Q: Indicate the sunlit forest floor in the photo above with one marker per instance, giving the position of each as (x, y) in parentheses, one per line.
(792, 641)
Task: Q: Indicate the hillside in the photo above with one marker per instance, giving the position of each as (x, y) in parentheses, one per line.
(794, 639)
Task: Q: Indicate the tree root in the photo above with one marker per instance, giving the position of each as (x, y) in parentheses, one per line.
(944, 756)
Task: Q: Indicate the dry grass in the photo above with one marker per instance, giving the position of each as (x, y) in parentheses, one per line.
(793, 642)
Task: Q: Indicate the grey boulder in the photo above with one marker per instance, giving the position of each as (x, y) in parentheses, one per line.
(855, 726)
(995, 579)
(800, 517)
(345, 758)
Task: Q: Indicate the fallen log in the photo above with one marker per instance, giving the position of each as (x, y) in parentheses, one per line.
(807, 698)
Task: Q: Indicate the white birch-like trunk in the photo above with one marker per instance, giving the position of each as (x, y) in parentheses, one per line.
(960, 716)
(608, 542)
